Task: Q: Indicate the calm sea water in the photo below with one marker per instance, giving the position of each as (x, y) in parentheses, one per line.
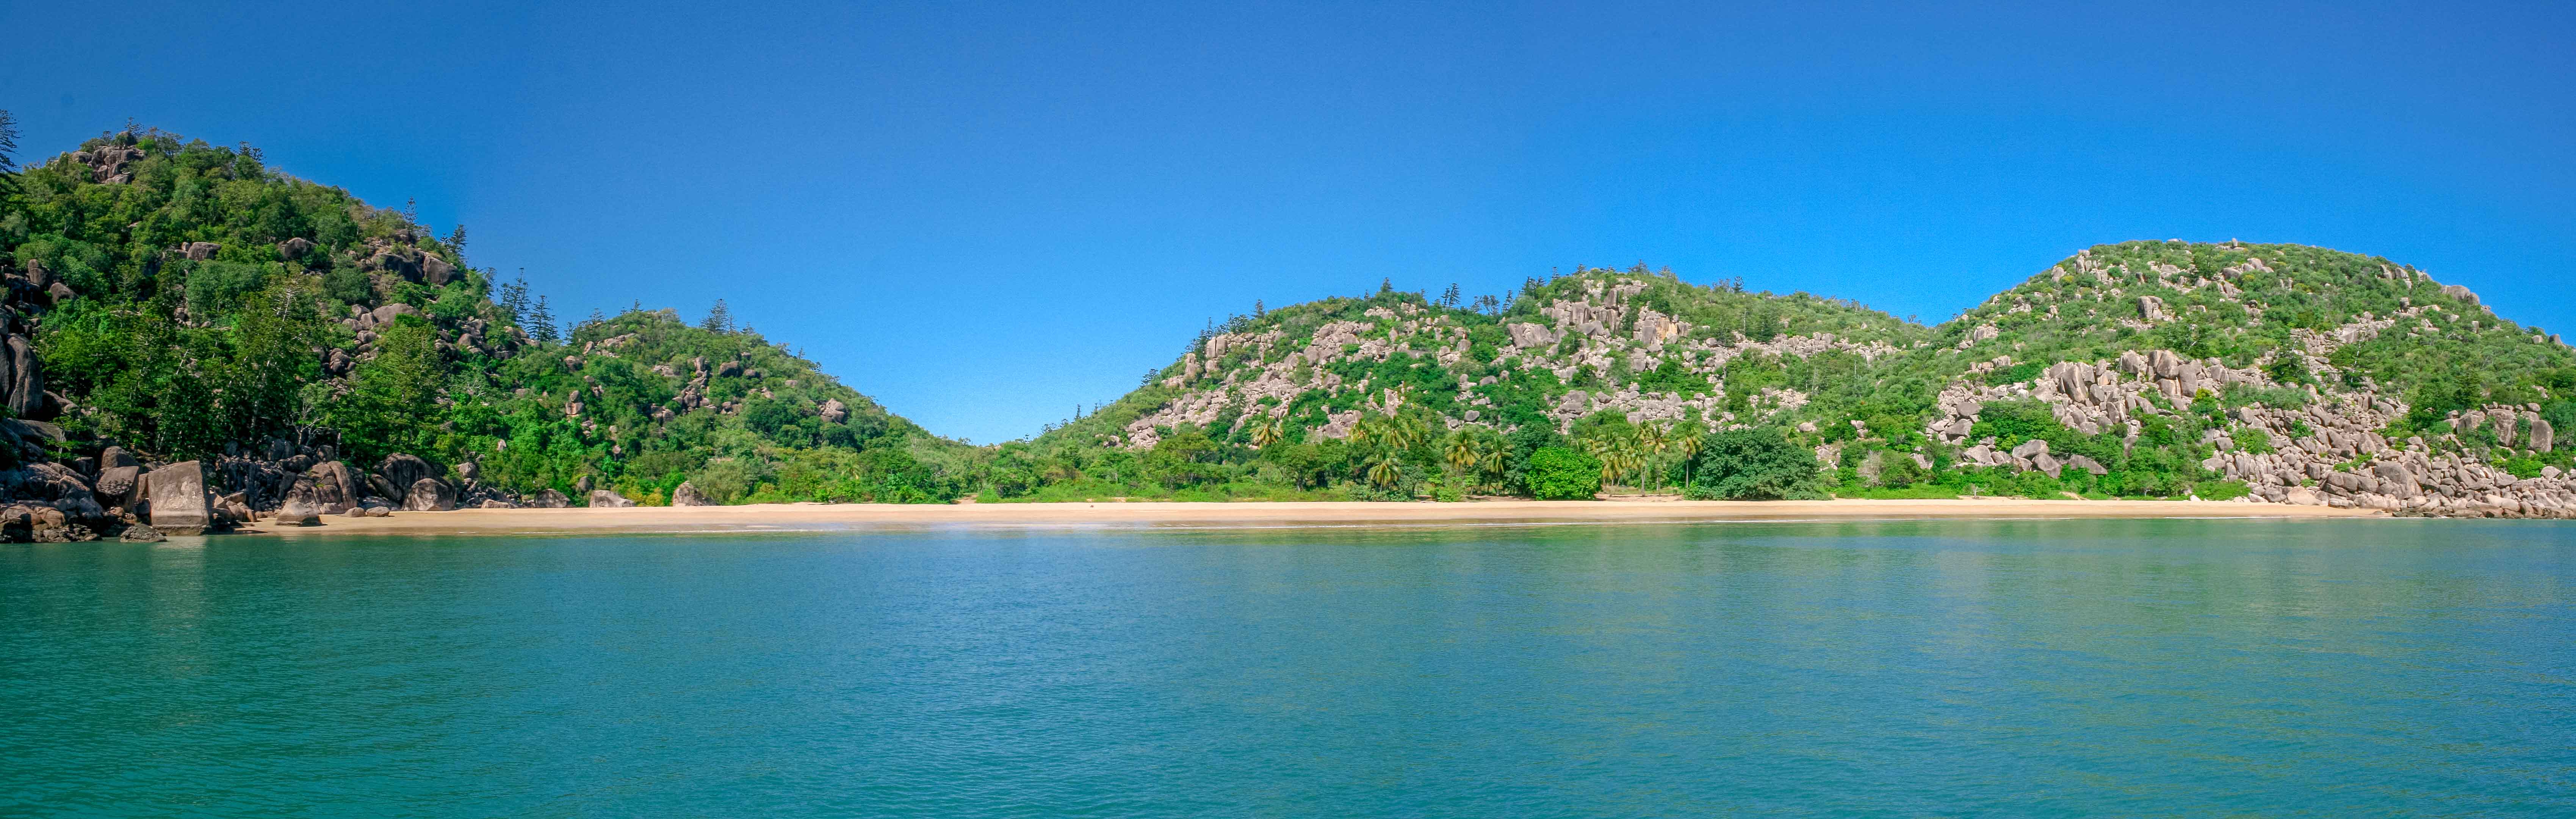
(2023, 668)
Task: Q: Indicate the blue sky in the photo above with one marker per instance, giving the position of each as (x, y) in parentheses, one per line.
(987, 214)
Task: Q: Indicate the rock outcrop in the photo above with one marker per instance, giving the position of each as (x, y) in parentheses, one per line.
(687, 494)
(180, 503)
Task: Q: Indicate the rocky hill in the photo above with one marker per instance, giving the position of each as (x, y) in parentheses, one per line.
(179, 307)
(2270, 373)
(191, 339)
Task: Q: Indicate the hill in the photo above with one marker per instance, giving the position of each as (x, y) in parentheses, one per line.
(2144, 370)
(171, 300)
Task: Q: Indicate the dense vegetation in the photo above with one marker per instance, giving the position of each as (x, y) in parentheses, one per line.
(188, 301)
(216, 304)
(1716, 392)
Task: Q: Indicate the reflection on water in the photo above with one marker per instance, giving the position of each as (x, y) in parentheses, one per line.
(2019, 667)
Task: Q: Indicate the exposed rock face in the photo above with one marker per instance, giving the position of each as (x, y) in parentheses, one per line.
(403, 471)
(429, 495)
(26, 380)
(834, 411)
(688, 495)
(180, 503)
(604, 499)
(121, 487)
(332, 487)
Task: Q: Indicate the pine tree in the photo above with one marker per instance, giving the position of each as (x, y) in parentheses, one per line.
(719, 319)
(1449, 297)
(514, 298)
(1386, 285)
(456, 239)
(541, 324)
(1257, 310)
(8, 143)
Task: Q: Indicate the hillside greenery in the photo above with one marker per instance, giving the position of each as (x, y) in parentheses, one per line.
(182, 355)
(213, 304)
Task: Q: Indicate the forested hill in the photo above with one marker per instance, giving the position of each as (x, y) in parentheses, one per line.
(169, 300)
(2277, 373)
(180, 300)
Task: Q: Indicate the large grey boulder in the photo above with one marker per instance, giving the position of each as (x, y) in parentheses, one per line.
(180, 503)
(429, 495)
(2460, 292)
(2397, 479)
(116, 456)
(297, 512)
(333, 485)
(142, 534)
(834, 411)
(120, 487)
(688, 495)
(2086, 464)
(604, 499)
(2030, 448)
(2542, 436)
(26, 380)
(403, 471)
(435, 269)
(548, 499)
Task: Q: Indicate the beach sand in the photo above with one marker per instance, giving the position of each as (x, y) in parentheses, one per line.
(837, 517)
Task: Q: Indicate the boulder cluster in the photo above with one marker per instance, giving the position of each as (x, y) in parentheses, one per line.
(2329, 452)
(117, 495)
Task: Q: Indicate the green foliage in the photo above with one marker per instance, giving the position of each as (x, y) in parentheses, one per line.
(1557, 473)
(2015, 374)
(1754, 464)
(178, 356)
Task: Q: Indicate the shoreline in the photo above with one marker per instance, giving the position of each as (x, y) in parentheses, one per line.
(865, 516)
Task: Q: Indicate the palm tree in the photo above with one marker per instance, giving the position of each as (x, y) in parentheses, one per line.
(1652, 439)
(1616, 452)
(1688, 445)
(1271, 432)
(1383, 471)
(1464, 450)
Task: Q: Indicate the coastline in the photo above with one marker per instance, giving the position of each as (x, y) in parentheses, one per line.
(862, 516)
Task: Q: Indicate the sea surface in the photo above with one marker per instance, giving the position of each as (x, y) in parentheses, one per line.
(2034, 668)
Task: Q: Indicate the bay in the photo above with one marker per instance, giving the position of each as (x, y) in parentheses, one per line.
(2325, 667)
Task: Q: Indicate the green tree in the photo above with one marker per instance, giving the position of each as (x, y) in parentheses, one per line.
(719, 319)
(1557, 473)
(393, 401)
(1755, 464)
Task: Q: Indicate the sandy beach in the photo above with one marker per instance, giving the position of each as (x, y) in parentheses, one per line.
(822, 517)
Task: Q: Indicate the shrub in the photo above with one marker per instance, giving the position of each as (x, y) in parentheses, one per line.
(1754, 464)
(1557, 473)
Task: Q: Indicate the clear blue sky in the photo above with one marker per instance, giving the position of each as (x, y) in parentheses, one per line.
(985, 214)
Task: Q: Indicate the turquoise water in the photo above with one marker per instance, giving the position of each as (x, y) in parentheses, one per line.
(2017, 668)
